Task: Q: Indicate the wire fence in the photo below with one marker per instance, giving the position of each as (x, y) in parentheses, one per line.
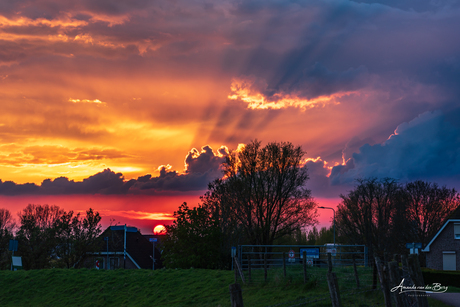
(315, 288)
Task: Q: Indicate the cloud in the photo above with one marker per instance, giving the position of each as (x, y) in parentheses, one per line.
(201, 167)
(254, 95)
(14, 155)
(427, 148)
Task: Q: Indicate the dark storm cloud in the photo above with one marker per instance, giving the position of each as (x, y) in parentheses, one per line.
(106, 182)
(426, 148)
(201, 168)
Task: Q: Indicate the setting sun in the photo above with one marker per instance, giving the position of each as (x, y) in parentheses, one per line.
(159, 230)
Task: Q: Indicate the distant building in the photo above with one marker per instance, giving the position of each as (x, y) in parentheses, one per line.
(124, 247)
(443, 251)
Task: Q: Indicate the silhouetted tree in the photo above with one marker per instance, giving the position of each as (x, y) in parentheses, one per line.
(193, 240)
(48, 236)
(6, 234)
(76, 236)
(37, 235)
(321, 237)
(263, 191)
(428, 206)
(365, 216)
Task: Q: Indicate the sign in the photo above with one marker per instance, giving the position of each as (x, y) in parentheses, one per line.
(331, 250)
(13, 245)
(153, 239)
(291, 256)
(97, 264)
(17, 263)
(233, 251)
(310, 262)
(413, 245)
(311, 253)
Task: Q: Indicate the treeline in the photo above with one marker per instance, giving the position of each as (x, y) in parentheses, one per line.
(384, 215)
(262, 200)
(48, 236)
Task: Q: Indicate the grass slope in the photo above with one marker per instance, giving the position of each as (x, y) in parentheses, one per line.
(193, 287)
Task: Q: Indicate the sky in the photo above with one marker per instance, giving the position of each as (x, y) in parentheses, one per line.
(129, 107)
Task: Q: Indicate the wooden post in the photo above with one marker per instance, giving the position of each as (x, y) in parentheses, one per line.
(238, 270)
(265, 266)
(284, 263)
(236, 297)
(329, 262)
(334, 289)
(383, 282)
(355, 271)
(235, 269)
(305, 277)
(417, 278)
(395, 280)
(249, 268)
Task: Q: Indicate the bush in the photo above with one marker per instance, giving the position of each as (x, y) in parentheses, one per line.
(445, 278)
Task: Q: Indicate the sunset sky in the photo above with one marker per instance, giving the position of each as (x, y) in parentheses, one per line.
(129, 107)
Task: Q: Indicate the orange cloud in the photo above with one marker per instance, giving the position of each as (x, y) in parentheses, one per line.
(138, 215)
(95, 101)
(242, 89)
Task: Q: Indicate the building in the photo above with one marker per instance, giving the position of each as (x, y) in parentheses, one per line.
(443, 251)
(124, 247)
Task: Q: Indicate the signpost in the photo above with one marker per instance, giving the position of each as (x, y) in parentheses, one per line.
(332, 250)
(414, 247)
(13, 246)
(291, 256)
(233, 254)
(153, 240)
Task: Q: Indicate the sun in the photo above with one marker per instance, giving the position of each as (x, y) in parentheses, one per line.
(159, 230)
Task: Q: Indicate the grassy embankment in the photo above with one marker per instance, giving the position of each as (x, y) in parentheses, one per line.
(193, 287)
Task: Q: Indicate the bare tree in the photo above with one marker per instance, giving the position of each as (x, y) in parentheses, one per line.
(428, 205)
(6, 233)
(366, 215)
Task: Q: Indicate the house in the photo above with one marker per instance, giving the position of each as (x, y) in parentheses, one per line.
(124, 247)
(443, 251)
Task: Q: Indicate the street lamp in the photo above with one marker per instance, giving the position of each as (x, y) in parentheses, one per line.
(333, 219)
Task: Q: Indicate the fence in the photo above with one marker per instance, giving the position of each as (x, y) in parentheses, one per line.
(257, 256)
(340, 285)
(316, 282)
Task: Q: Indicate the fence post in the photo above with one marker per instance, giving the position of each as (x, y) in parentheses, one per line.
(284, 263)
(265, 266)
(334, 289)
(355, 271)
(329, 262)
(236, 297)
(305, 277)
(395, 280)
(417, 277)
(383, 281)
(249, 267)
(235, 269)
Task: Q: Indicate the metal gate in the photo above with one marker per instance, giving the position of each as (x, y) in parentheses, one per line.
(316, 255)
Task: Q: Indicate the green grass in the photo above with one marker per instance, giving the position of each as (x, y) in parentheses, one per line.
(192, 287)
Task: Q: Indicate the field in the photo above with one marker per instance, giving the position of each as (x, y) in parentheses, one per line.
(166, 287)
